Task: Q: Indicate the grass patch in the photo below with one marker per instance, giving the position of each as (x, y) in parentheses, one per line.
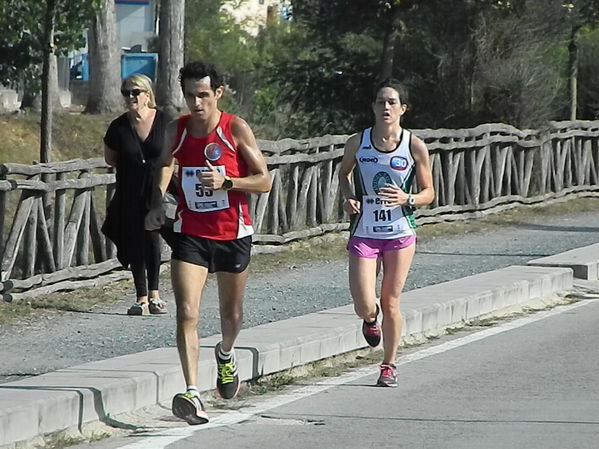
(329, 247)
(80, 300)
(84, 299)
(74, 136)
(63, 441)
(69, 438)
(14, 313)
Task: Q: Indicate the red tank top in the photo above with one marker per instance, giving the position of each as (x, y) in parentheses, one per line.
(213, 214)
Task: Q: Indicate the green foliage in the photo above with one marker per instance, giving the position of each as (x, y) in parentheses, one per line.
(21, 40)
(465, 62)
(322, 80)
(293, 80)
(72, 19)
(435, 60)
(212, 34)
(580, 13)
(588, 80)
(468, 62)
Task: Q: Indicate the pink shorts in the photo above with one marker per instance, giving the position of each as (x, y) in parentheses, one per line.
(373, 248)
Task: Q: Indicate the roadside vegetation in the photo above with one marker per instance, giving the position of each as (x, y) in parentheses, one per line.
(76, 136)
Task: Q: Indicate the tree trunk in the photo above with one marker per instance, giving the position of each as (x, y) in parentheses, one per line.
(573, 70)
(390, 42)
(49, 89)
(104, 63)
(170, 56)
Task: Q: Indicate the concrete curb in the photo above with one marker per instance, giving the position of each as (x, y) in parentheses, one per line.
(95, 391)
(584, 261)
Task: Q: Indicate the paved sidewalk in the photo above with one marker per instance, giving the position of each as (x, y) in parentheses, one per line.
(584, 261)
(69, 398)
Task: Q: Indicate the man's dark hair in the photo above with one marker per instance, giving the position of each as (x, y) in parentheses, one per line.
(197, 70)
(393, 84)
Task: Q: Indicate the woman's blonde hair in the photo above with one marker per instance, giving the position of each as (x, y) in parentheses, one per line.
(142, 82)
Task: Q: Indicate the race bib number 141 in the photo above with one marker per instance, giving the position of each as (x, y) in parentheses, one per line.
(379, 218)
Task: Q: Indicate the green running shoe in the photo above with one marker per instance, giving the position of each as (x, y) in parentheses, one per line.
(189, 407)
(227, 381)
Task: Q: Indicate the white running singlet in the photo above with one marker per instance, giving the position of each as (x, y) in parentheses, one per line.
(375, 169)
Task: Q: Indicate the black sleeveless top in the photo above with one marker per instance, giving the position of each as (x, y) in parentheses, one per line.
(136, 161)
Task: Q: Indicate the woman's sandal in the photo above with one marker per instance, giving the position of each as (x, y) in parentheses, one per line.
(139, 308)
(157, 306)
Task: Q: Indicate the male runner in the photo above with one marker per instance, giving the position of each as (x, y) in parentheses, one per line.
(218, 164)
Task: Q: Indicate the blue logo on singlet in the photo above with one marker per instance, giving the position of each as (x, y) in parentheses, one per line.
(213, 152)
(398, 163)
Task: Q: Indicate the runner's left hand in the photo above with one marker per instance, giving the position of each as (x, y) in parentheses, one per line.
(393, 195)
(211, 178)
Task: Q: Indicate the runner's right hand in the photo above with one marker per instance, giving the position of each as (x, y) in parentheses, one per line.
(351, 206)
(154, 219)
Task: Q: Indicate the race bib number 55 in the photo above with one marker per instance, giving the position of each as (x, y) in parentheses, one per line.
(197, 197)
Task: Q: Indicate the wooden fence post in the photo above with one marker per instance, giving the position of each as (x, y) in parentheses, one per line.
(2, 215)
(59, 223)
(13, 241)
(110, 247)
(30, 247)
(83, 235)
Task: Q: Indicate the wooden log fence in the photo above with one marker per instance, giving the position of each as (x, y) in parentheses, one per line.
(51, 214)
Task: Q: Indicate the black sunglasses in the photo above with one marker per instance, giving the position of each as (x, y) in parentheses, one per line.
(134, 92)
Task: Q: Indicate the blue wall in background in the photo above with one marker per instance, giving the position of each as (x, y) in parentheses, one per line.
(131, 63)
(145, 63)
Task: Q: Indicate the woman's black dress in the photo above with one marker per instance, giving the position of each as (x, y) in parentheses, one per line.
(124, 223)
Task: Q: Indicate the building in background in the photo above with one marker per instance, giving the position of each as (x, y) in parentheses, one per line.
(255, 14)
(137, 23)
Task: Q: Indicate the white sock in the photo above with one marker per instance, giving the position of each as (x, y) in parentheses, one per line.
(225, 355)
(193, 389)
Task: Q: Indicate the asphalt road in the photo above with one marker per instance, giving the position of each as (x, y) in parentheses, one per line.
(527, 383)
(532, 387)
(72, 338)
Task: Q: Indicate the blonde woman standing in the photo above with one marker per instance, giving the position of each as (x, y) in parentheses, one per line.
(132, 145)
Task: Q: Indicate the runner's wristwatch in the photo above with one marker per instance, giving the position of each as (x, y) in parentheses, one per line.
(227, 184)
(411, 201)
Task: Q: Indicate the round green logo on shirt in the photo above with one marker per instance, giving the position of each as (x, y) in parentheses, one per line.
(381, 179)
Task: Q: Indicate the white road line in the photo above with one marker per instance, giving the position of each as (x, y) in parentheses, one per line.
(160, 440)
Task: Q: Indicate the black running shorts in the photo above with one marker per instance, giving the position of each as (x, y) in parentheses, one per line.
(231, 256)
